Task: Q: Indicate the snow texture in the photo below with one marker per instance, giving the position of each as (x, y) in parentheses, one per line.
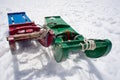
(92, 18)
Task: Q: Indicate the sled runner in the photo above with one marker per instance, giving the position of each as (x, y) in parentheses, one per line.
(67, 40)
(22, 28)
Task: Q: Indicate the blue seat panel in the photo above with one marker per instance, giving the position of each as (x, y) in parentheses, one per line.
(18, 18)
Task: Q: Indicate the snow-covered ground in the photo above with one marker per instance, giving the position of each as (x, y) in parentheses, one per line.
(91, 18)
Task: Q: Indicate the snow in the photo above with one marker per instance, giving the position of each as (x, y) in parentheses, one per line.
(92, 18)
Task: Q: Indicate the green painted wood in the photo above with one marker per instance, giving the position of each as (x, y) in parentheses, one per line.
(67, 40)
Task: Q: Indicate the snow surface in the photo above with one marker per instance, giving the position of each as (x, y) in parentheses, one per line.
(91, 18)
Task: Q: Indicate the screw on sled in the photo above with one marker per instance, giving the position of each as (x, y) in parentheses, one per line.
(21, 28)
(57, 32)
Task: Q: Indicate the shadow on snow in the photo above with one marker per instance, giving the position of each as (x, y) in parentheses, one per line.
(52, 68)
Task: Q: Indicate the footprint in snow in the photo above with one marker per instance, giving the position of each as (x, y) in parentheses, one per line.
(97, 23)
(8, 9)
(111, 21)
(1, 12)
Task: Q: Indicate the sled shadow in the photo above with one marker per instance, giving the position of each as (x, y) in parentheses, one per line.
(52, 68)
(92, 68)
(26, 48)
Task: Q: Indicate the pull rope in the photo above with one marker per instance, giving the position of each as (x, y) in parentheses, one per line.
(92, 45)
(45, 30)
(88, 45)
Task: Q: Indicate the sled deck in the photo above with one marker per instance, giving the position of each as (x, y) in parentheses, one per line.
(22, 28)
(67, 40)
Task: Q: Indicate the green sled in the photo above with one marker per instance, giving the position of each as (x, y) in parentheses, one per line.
(67, 39)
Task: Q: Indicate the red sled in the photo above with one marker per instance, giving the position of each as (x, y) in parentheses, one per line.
(21, 28)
